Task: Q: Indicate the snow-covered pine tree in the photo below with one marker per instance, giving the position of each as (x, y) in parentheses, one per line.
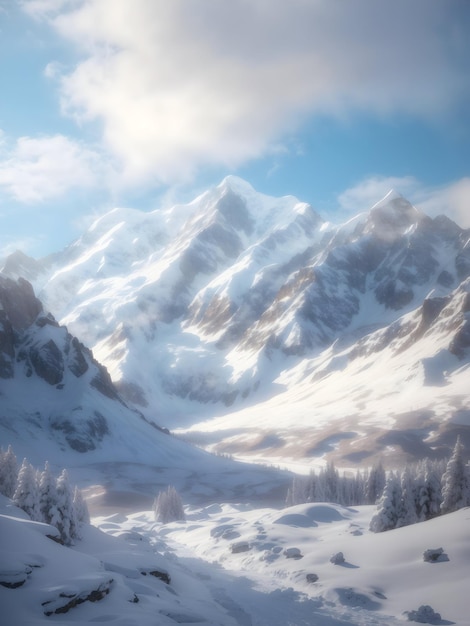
(407, 508)
(359, 488)
(375, 484)
(67, 521)
(168, 506)
(344, 490)
(351, 488)
(420, 491)
(301, 489)
(328, 480)
(48, 497)
(386, 516)
(432, 489)
(8, 472)
(82, 515)
(328, 486)
(365, 480)
(26, 494)
(312, 488)
(455, 481)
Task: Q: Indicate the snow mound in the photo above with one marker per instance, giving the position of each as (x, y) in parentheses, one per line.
(305, 516)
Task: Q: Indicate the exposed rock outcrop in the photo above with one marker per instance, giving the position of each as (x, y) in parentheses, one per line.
(33, 344)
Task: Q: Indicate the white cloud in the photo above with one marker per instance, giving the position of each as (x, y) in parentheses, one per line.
(44, 8)
(9, 245)
(452, 200)
(176, 84)
(53, 70)
(367, 192)
(37, 169)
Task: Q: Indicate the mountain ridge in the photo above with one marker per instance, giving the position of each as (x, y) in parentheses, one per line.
(58, 404)
(201, 308)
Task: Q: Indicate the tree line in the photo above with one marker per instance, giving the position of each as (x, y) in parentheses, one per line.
(43, 496)
(419, 492)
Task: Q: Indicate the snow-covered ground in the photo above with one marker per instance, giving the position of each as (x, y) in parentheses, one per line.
(234, 565)
(345, 403)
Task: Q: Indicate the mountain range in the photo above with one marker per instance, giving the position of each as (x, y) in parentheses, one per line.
(249, 325)
(58, 404)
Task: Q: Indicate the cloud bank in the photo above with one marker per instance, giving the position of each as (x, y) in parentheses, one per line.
(175, 86)
(38, 169)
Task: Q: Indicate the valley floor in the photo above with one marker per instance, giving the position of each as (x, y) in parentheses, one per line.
(237, 565)
(259, 563)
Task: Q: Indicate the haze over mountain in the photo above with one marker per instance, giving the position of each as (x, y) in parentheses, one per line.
(251, 326)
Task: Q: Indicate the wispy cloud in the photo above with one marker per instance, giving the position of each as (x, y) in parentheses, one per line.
(37, 169)
(8, 245)
(367, 192)
(177, 85)
(452, 200)
(42, 9)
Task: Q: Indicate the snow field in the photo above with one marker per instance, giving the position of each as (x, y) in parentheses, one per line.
(383, 576)
(235, 564)
(383, 573)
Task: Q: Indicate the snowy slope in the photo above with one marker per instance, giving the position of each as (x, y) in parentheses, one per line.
(398, 393)
(57, 403)
(102, 579)
(207, 309)
(135, 284)
(283, 574)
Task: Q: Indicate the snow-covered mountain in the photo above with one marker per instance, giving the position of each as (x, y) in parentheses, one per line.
(289, 336)
(57, 403)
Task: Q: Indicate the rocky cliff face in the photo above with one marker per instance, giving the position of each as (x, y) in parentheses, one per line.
(57, 403)
(18, 309)
(33, 346)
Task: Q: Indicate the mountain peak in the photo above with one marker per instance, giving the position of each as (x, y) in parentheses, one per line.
(236, 295)
(392, 217)
(19, 264)
(391, 196)
(237, 185)
(18, 301)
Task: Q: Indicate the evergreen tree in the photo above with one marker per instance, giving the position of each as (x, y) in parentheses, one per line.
(67, 521)
(344, 490)
(48, 497)
(168, 506)
(327, 486)
(329, 479)
(432, 489)
(26, 494)
(455, 481)
(420, 491)
(375, 484)
(295, 492)
(407, 508)
(80, 511)
(8, 472)
(359, 488)
(317, 488)
(386, 516)
(365, 480)
(312, 488)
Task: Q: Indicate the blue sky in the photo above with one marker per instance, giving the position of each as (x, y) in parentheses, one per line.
(144, 103)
